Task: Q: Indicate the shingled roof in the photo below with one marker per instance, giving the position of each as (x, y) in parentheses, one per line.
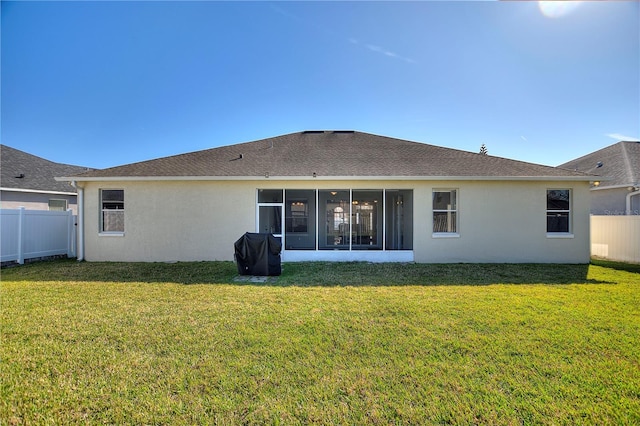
(332, 154)
(620, 163)
(24, 171)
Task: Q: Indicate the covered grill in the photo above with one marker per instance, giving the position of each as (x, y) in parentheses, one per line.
(258, 254)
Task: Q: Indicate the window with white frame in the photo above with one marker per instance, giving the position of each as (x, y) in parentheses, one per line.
(558, 211)
(112, 210)
(57, 205)
(445, 211)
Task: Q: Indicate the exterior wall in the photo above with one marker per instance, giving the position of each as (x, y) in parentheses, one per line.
(504, 222)
(171, 221)
(612, 202)
(499, 221)
(34, 200)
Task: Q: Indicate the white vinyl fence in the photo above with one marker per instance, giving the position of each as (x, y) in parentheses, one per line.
(616, 238)
(29, 234)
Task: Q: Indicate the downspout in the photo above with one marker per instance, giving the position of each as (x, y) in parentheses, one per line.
(80, 191)
(629, 195)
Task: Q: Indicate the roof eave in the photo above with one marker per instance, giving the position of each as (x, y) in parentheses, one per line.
(37, 191)
(622, 186)
(326, 178)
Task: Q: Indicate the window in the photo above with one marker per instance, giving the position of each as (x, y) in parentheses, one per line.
(112, 210)
(57, 205)
(558, 210)
(445, 211)
(270, 196)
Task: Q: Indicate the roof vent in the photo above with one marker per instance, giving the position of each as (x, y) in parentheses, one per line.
(20, 176)
(312, 131)
(344, 131)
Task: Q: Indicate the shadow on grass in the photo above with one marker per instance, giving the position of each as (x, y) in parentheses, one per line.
(618, 266)
(307, 274)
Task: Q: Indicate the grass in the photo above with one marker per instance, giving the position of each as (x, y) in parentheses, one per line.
(347, 343)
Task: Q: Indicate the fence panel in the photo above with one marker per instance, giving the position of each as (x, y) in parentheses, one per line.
(9, 235)
(616, 238)
(28, 234)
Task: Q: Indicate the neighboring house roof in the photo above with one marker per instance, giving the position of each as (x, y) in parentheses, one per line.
(21, 171)
(619, 163)
(327, 155)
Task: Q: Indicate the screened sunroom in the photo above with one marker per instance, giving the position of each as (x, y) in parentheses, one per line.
(350, 224)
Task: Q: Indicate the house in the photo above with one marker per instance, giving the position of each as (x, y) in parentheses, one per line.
(619, 163)
(335, 196)
(29, 181)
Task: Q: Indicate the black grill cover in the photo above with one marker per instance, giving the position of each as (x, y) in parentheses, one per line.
(258, 254)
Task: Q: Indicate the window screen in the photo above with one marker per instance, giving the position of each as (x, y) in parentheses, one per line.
(445, 211)
(112, 210)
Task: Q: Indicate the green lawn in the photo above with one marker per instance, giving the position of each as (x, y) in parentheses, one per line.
(348, 343)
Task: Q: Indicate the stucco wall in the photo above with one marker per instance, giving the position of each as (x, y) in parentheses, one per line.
(34, 200)
(171, 221)
(505, 222)
(183, 221)
(613, 202)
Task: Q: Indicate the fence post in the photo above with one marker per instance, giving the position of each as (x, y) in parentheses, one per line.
(21, 229)
(69, 233)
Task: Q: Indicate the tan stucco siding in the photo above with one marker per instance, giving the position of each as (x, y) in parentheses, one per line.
(499, 221)
(171, 221)
(505, 222)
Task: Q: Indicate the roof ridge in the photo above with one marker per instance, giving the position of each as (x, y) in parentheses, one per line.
(627, 162)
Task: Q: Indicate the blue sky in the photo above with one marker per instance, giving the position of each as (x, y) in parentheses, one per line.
(101, 84)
